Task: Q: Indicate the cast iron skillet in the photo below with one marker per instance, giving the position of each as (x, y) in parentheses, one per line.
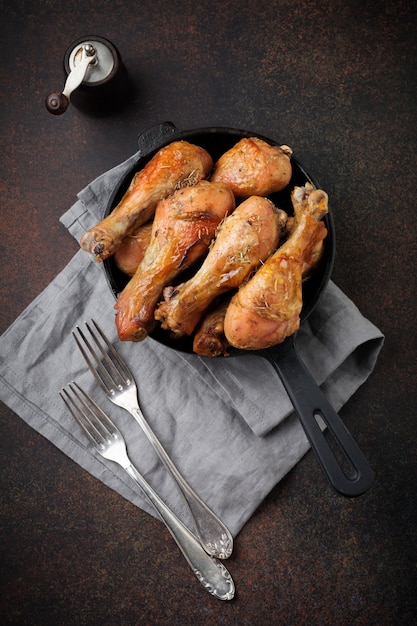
(343, 464)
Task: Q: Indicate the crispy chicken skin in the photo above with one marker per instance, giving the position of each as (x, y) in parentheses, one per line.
(177, 165)
(184, 225)
(243, 241)
(254, 168)
(267, 308)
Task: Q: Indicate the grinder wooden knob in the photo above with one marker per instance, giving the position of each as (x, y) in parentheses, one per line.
(57, 103)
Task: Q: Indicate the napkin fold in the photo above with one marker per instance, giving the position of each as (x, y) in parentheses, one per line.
(227, 423)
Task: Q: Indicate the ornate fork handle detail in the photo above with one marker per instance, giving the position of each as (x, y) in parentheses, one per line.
(211, 573)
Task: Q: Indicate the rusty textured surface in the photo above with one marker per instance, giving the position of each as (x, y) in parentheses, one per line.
(336, 82)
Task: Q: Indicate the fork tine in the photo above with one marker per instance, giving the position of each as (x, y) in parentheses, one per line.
(108, 368)
(123, 369)
(95, 423)
(94, 362)
(80, 417)
(108, 364)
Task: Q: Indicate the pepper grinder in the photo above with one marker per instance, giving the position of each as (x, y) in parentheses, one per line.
(96, 79)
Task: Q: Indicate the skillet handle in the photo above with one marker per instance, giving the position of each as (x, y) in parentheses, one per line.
(309, 402)
(154, 137)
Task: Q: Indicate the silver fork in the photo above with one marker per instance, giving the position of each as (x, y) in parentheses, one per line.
(109, 442)
(116, 380)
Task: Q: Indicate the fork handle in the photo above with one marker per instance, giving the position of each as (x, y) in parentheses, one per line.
(213, 534)
(210, 572)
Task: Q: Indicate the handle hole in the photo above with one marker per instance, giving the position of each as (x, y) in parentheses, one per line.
(345, 464)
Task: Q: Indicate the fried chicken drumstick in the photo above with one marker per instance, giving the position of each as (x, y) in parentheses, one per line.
(243, 241)
(180, 164)
(253, 167)
(267, 308)
(184, 225)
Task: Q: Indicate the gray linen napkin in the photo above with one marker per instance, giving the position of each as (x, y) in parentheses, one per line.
(226, 423)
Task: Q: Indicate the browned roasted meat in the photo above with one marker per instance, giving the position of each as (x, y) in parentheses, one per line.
(267, 308)
(244, 240)
(184, 225)
(131, 251)
(177, 165)
(254, 168)
(210, 340)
